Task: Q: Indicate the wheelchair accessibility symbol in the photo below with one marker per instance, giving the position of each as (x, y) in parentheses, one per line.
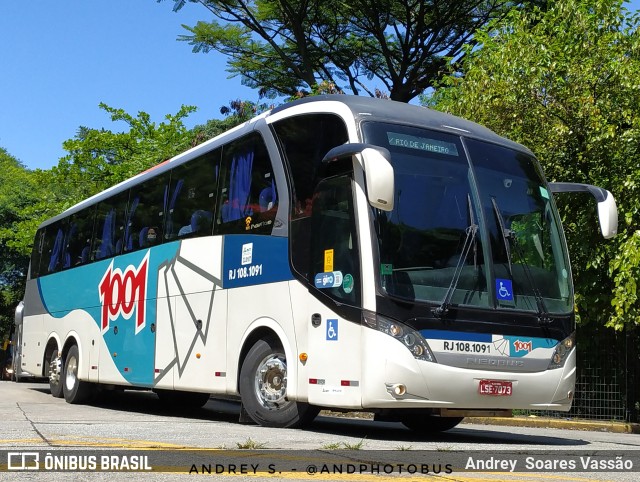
(332, 330)
(504, 289)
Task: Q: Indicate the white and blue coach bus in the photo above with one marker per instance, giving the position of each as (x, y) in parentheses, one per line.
(339, 252)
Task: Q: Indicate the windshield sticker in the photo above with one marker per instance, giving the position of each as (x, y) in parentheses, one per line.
(504, 289)
(544, 193)
(328, 260)
(386, 269)
(422, 144)
(332, 330)
(331, 279)
(347, 283)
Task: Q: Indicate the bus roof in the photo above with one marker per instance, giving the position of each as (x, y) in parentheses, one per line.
(361, 107)
(384, 110)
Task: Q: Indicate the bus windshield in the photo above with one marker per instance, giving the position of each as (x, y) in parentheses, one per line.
(472, 224)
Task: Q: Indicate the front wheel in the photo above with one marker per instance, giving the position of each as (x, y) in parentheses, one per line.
(263, 388)
(75, 390)
(431, 423)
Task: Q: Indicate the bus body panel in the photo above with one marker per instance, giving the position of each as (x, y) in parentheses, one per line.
(433, 385)
(332, 374)
(191, 324)
(33, 344)
(246, 316)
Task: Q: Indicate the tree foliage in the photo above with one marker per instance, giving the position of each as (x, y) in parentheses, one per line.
(283, 47)
(16, 196)
(99, 158)
(565, 83)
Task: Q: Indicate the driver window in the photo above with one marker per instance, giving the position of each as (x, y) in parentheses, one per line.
(335, 268)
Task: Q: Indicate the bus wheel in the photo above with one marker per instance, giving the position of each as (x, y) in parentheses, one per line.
(263, 388)
(75, 391)
(55, 374)
(431, 423)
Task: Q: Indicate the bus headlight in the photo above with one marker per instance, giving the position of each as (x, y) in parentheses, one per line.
(562, 351)
(410, 338)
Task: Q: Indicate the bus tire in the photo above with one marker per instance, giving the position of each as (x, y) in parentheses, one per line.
(431, 423)
(263, 386)
(75, 390)
(55, 364)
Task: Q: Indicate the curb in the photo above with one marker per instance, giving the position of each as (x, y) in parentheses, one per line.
(540, 422)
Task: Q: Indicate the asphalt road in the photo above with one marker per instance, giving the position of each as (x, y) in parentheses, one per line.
(212, 439)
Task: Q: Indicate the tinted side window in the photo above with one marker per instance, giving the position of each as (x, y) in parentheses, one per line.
(145, 214)
(334, 243)
(109, 230)
(78, 239)
(53, 256)
(36, 253)
(192, 197)
(248, 198)
(304, 141)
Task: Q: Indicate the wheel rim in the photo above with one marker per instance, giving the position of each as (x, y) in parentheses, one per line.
(71, 372)
(55, 367)
(271, 382)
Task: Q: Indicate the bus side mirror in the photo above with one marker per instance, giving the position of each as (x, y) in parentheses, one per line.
(19, 313)
(607, 210)
(378, 171)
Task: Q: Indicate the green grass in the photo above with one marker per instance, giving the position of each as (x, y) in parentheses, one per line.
(251, 444)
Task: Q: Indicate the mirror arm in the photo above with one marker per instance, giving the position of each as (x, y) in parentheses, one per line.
(607, 210)
(597, 192)
(348, 150)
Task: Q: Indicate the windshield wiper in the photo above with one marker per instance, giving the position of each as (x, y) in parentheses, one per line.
(509, 237)
(506, 233)
(469, 241)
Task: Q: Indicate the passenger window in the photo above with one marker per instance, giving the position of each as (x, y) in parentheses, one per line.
(53, 248)
(192, 197)
(36, 253)
(109, 230)
(145, 214)
(248, 198)
(78, 240)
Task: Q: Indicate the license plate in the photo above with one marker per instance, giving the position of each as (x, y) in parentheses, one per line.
(495, 387)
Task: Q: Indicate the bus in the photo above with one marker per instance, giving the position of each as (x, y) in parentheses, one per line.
(337, 252)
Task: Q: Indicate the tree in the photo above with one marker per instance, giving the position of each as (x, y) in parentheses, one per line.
(99, 158)
(16, 195)
(283, 47)
(564, 82)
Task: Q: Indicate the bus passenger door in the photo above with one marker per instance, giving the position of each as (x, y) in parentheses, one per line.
(333, 368)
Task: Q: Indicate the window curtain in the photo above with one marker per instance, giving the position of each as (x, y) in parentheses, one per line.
(239, 187)
(108, 228)
(170, 204)
(56, 252)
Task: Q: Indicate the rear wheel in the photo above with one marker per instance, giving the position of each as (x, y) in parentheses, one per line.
(263, 388)
(75, 390)
(431, 423)
(55, 374)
